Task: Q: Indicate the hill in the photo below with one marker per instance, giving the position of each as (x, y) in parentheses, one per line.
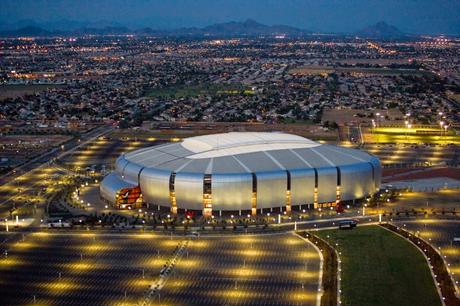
(381, 30)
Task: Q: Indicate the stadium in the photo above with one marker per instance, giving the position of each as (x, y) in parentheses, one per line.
(253, 172)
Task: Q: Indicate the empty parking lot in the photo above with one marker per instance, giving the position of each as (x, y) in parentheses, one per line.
(69, 268)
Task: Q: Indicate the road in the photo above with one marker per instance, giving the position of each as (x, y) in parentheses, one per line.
(40, 174)
(55, 153)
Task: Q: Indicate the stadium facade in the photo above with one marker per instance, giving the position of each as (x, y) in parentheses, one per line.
(241, 171)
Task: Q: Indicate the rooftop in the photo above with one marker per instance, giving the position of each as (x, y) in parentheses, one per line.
(226, 144)
(239, 152)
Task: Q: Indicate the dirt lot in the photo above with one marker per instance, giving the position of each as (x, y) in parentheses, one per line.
(312, 70)
(373, 61)
(342, 116)
(453, 173)
(22, 147)
(317, 70)
(13, 91)
(173, 130)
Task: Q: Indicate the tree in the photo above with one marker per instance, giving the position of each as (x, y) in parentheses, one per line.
(123, 124)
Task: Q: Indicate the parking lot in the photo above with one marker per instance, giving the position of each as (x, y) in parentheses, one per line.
(68, 268)
(414, 154)
(440, 233)
(102, 151)
(81, 269)
(277, 269)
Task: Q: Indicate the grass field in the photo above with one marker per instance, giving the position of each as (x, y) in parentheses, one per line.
(381, 268)
(181, 91)
(414, 135)
(416, 139)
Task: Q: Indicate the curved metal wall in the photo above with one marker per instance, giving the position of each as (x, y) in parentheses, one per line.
(356, 181)
(302, 186)
(131, 173)
(189, 190)
(110, 185)
(377, 172)
(271, 189)
(327, 184)
(120, 164)
(234, 191)
(231, 191)
(154, 185)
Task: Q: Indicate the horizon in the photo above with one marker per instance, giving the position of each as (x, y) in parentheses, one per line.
(101, 24)
(423, 17)
(58, 28)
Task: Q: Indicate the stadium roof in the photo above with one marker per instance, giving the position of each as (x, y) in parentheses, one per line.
(217, 145)
(243, 152)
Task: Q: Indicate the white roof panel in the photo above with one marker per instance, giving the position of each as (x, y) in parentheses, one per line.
(242, 152)
(234, 143)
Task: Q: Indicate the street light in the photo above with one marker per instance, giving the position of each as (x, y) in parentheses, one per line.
(441, 123)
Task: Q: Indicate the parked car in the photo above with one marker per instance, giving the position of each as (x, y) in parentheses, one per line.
(348, 224)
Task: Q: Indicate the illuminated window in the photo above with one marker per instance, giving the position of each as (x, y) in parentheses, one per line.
(172, 193)
(207, 195)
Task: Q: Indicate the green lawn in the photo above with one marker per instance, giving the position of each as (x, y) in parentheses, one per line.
(416, 139)
(381, 268)
(415, 135)
(181, 91)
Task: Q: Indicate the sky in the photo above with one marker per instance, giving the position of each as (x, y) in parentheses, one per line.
(410, 16)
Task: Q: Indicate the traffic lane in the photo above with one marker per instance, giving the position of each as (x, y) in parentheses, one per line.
(326, 223)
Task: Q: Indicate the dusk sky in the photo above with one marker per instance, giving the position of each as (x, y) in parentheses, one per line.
(411, 16)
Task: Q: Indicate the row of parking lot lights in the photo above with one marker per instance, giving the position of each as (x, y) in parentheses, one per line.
(445, 260)
(448, 264)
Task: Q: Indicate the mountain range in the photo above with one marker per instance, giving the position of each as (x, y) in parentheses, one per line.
(380, 30)
(248, 28)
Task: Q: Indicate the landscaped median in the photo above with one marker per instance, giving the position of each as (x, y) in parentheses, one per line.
(329, 281)
(442, 277)
(377, 266)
